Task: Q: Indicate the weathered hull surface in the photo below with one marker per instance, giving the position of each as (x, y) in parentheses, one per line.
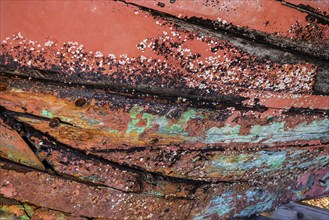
(162, 109)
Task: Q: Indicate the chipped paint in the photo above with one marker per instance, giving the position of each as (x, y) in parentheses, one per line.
(272, 133)
(15, 149)
(264, 201)
(261, 163)
(46, 113)
(139, 123)
(219, 205)
(199, 111)
(255, 199)
(132, 125)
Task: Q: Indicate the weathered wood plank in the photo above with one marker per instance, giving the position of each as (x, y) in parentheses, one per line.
(172, 142)
(167, 110)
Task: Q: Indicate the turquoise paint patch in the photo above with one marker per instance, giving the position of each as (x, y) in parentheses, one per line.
(316, 162)
(276, 160)
(225, 134)
(46, 114)
(275, 127)
(262, 200)
(242, 163)
(299, 194)
(297, 152)
(220, 205)
(325, 182)
(258, 199)
(268, 161)
(272, 133)
(163, 124)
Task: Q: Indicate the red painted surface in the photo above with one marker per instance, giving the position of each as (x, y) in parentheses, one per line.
(110, 27)
(261, 15)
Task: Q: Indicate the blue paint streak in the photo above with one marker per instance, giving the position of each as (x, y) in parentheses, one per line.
(220, 205)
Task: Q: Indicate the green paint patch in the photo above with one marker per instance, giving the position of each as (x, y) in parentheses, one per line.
(148, 117)
(276, 162)
(21, 154)
(61, 216)
(176, 128)
(135, 113)
(46, 114)
(28, 209)
(10, 156)
(111, 130)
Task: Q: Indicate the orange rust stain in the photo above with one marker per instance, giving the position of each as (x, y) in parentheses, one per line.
(15, 209)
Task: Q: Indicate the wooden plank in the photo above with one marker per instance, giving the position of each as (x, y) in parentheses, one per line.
(133, 106)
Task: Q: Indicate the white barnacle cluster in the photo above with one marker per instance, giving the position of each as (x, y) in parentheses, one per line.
(74, 48)
(298, 79)
(220, 66)
(160, 22)
(142, 45)
(99, 54)
(221, 21)
(123, 59)
(17, 36)
(49, 43)
(17, 43)
(225, 67)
